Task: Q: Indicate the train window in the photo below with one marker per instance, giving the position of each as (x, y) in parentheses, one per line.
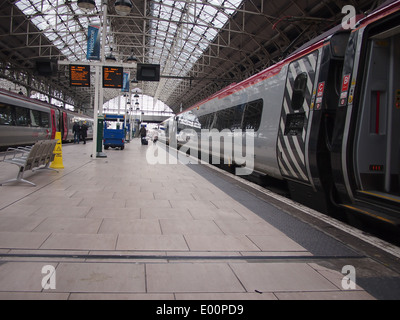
(252, 115)
(225, 119)
(44, 119)
(204, 121)
(243, 116)
(6, 115)
(35, 118)
(339, 44)
(208, 121)
(299, 91)
(237, 118)
(22, 117)
(213, 120)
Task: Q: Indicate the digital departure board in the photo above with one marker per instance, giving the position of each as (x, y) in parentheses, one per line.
(112, 77)
(79, 76)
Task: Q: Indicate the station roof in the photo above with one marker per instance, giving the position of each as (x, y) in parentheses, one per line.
(201, 45)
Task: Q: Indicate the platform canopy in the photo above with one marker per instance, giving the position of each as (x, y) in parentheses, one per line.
(200, 45)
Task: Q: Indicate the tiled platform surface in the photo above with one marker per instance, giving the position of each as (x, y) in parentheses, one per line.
(120, 228)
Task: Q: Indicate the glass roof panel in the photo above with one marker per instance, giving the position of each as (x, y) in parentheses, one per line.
(178, 33)
(191, 25)
(62, 22)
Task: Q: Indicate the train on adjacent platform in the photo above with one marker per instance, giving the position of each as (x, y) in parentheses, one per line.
(24, 121)
(326, 119)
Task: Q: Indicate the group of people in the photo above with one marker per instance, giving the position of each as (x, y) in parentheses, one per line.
(80, 132)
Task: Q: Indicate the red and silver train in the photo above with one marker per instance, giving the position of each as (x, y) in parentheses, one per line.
(24, 121)
(326, 119)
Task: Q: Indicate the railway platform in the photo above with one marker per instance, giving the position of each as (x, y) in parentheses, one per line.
(122, 228)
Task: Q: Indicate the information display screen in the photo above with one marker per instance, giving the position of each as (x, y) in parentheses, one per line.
(79, 76)
(112, 77)
(148, 72)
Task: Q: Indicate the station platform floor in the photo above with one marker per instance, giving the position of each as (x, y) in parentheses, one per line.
(121, 228)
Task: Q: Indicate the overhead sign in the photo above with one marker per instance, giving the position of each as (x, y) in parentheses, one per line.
(125, 86)
(112, 77)
(79, 76)
(93, 44)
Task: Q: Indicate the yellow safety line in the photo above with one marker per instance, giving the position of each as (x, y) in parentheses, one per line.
(369, 214)
(379, 195)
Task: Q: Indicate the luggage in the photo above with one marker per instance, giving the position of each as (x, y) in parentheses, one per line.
(144, 141)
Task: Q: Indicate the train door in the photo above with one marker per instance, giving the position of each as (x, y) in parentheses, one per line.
(64, 126)
(294, 118)
(53, 123)
(325, 100)
(366, 149)
(377, 143)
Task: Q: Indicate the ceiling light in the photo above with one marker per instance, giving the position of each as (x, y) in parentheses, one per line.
(132, 58)
(123, 7)
(110, 56)
(86, 5)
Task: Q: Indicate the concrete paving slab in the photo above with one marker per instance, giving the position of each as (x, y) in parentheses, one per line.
(147, 203)
(189, 226)
(18, 210)
(247, 227)
(61, 211)
(121, 296)
(113, 213)
(151, 242)
(92, 194)
(19, 224)
(22, 240)
(100, 277)
(136, 226)
(165, 213)
(102, 203)
(69, 225)
(220, 243)
(22, 276)
(80, 241)
(127, 194)
(62, 200)
(275, 277)
(214, 214)
(275, 243)
(191, 277)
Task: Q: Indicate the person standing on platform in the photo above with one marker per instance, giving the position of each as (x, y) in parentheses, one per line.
(76, 129)
(84, 130)
(142, 133)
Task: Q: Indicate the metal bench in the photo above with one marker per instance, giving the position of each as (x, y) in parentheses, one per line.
(38, 156)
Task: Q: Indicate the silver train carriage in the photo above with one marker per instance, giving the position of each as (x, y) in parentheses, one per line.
(325, 119)
(24, 121)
